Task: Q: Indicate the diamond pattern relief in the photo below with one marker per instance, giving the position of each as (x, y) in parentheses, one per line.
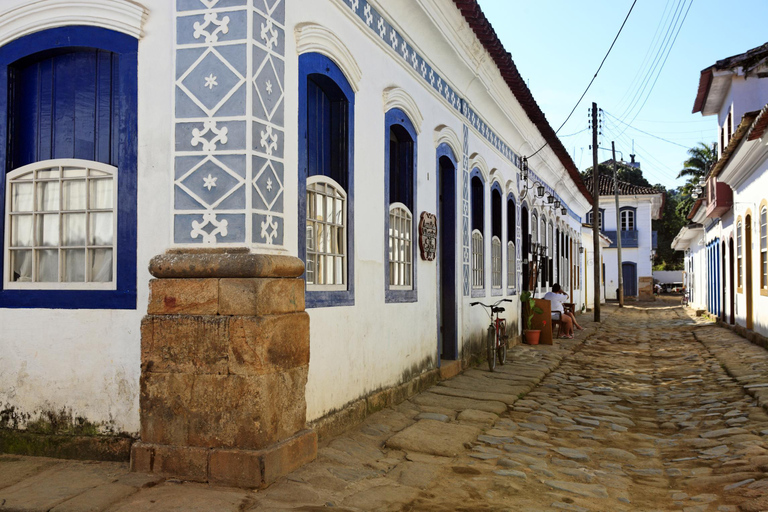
(197, 81)
(269, 184)
(269, 87)
(210, 182)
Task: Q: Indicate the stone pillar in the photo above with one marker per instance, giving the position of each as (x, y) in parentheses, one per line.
(224, 363)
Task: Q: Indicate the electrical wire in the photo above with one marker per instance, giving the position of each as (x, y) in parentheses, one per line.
(653, 86)
(642, 131)
(654, 64)
(593, 78)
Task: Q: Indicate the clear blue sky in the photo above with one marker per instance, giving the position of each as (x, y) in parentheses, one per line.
(557, 46)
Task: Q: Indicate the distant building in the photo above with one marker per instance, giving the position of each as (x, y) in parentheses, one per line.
(638, 207)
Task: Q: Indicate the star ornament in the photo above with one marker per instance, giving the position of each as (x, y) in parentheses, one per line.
(209, 182)
(210, 81)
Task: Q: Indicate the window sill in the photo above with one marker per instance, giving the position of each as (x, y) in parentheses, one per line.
(400, 296)
(479, 292)
(328, 299)
(67, 299)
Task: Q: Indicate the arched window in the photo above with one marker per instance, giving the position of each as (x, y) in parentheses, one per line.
(739, 259)
(69, 169)
(496, 238)
(627, 217)
(764, 248)
(400, 185)
(478, 219)
(326, 116)
(511, 251)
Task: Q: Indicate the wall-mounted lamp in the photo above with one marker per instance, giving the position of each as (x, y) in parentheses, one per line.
(525, 168)
(564, 210)
(540, 190)
(557, 204)
(550, 199)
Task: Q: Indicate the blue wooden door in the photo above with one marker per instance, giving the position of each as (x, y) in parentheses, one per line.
(629, 273)
(63, 107)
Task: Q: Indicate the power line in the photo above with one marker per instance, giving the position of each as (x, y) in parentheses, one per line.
(663, 63)
(572, 134)
(654, 63)
(647, 133)
(594, 77)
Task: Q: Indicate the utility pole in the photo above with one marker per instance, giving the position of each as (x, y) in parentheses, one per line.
(595, 214)
(618, 225)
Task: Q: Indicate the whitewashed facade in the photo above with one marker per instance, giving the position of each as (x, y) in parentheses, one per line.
(729, 256)
(221, 156)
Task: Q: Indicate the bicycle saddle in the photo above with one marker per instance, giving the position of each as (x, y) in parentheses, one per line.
(498, 310)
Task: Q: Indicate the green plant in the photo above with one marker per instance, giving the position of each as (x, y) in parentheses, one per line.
(527, 299)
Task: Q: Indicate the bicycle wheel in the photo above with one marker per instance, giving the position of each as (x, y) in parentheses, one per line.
(490, 346)
(501, 350)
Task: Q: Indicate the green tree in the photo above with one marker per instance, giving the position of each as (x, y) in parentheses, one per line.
(701, 159)
(667, 228)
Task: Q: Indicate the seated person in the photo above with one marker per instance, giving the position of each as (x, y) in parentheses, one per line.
(556, 297)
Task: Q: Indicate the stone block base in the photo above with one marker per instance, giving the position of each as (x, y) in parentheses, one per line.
(229, 467)
(106, 448)
(450, 369)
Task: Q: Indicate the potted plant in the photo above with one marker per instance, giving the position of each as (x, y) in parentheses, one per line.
(531, 335)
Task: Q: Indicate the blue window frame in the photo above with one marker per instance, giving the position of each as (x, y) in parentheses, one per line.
(326, 153)
(628, 218)
(477, 195)
(400, 207)
(497, 251)
(511, 250)
(71, 93)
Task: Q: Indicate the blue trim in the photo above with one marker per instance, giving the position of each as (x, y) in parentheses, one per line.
(396, 116)
(633, 290)
(450, 350)
(124, 144)
(314, 63)
(511, 290)
(486, 241)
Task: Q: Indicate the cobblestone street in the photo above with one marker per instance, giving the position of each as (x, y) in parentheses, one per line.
(655, 410)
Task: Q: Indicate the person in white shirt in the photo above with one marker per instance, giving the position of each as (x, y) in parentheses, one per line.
(556, 298)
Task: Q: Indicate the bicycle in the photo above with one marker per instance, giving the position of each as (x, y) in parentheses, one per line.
(496, 339)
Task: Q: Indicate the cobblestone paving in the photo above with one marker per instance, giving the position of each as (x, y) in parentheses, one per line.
(654, 411)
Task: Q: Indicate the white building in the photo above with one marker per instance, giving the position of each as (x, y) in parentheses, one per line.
(232, 123)
(730, 266)
(638, 206)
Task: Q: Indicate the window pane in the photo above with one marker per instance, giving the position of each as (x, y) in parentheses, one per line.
(73, 264)
(73, 225)
(101, 194)
(339, 270)
(48, 230)
(48, 196)
(21, 231)
(21, 266)
(48, 266)
(53, 172)
(74, 172)
(22, 197)
(73, 195)
(101, 229)
(100, 265)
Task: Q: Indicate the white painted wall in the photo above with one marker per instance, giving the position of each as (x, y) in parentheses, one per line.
(87, 361)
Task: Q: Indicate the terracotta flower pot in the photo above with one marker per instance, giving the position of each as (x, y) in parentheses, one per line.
(532, 337)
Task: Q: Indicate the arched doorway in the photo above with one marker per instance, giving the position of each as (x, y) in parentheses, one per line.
(722, 287)
(448, 347)
(748, 266)
(731, 286)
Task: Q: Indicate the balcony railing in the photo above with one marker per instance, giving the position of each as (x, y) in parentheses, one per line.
(628, 239)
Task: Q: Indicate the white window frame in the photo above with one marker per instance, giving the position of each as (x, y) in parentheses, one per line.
(400, 212)
(511, 266)
(312, 181)
(45, 165)
(496, 262)
(478, 269)
(627, 218)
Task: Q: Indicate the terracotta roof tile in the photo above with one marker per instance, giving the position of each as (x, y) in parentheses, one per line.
(605, 187)
(484, 32)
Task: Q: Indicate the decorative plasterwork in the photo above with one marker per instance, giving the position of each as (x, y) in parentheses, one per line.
(229, 122)
(311, 37)
(119, 15)
(396, 97)
(477, 161)
(445, 135)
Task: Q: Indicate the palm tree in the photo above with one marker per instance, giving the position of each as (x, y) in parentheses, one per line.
(702, 158)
